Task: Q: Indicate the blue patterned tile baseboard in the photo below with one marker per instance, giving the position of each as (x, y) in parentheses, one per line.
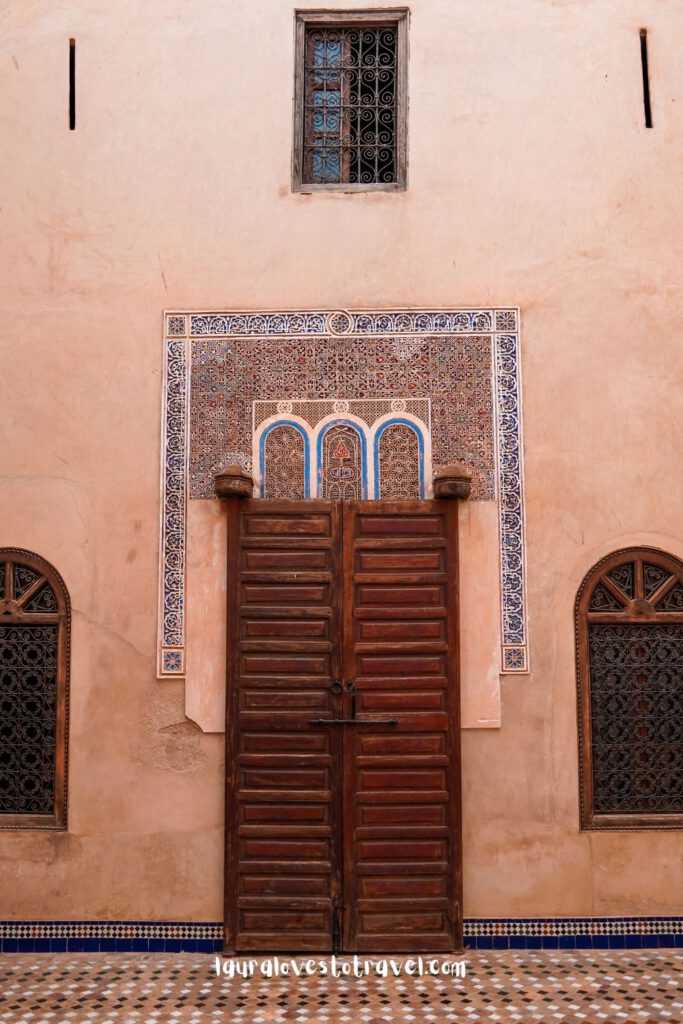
(110, 937)
(574, 933)
(207, 937)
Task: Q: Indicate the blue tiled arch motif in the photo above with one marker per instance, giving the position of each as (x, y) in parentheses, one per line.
(307, 455)
(421, 448)
(363, 449)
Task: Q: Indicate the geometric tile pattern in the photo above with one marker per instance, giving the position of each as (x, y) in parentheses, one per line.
(399, 468)
(540, 987)
(480, 933)
(217, 365)
(171, 627)
(231, 376)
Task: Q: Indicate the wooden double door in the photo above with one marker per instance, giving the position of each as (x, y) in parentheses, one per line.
(343, 754)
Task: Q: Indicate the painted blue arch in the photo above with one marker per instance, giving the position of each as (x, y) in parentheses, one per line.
(307, 456)
(363, 452)
(421, 451)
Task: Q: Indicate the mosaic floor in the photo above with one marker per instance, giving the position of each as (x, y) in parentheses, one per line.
(626, 986)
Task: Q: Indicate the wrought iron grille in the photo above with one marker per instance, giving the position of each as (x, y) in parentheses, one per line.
(630, 645)
(636, 677)
(28, 692)
(32, 692)
(350, 105)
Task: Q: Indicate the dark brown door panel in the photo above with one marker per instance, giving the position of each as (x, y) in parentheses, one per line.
(343, 773)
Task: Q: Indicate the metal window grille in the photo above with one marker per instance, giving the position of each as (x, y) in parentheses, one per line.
(350, 101)
(630, 674)
(34, 651)
(350, 105)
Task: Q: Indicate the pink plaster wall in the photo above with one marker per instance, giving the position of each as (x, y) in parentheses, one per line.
(532, 182)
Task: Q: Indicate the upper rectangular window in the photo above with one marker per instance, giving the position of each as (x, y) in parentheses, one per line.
(350, 95)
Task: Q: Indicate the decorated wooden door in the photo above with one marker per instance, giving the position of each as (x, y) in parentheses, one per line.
(343, 757)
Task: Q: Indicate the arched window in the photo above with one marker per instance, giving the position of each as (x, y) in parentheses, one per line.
(342, 462)
(399, 461)
(629, 629)
(34, 672)
(284, 462)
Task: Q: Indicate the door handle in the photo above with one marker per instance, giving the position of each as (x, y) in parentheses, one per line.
(353, 721)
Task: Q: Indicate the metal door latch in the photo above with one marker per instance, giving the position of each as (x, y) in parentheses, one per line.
(353, 721)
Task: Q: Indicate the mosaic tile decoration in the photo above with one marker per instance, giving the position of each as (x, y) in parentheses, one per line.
(231, 375)
(480, 933)
(219, 366)
(596, 987)
(171, 626)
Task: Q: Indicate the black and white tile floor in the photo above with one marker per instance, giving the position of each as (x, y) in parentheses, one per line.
(525, 986)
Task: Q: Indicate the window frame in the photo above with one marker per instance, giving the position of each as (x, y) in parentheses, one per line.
(589, 818)
(375, 18)
(11, 612)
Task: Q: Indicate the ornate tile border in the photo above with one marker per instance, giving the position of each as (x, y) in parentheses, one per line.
(503, 327)
(207, 936)
(172, 533)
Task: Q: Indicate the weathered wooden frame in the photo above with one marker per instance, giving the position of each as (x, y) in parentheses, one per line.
(351, 19)
(589, 819)
(11, 612)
